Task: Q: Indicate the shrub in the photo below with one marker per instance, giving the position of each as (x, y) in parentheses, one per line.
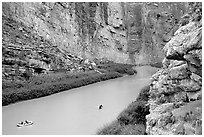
(157, 64)
(28, 74)
(113, 129)
(138, 129)
(118, 67)
(144, 94)
(49, 84)
(12, 84)
(134, 114)
(131, 121)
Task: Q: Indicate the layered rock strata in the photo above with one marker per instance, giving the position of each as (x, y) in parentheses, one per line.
(121, 32)
(45, 36)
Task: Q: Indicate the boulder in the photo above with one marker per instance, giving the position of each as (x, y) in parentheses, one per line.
(193, 59)
(189, 85)
(179, 72)
(196, 78)
(185, 39)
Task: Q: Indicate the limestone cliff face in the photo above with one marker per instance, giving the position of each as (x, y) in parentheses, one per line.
(122, 32)
(176, 90)
(59, 35)
(150, 26)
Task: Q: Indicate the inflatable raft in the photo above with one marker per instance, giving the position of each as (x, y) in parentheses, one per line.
(26, 123)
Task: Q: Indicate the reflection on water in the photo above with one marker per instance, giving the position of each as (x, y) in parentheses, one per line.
(76, 111)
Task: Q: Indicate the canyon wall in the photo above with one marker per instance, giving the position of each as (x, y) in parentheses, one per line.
(45, 36)
(176, 90)
(61, 35)
(121, 32)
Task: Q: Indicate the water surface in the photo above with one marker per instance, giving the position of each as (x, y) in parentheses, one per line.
(76, 111)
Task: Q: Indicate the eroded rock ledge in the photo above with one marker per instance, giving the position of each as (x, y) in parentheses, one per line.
(176, 90)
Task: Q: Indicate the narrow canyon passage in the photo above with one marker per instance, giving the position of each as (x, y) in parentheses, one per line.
(76, 111)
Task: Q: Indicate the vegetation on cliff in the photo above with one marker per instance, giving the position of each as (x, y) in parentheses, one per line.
(117, 67)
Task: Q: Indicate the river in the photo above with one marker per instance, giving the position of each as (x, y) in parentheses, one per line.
(76, 111)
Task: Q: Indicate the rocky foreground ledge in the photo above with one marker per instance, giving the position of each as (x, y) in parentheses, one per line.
(176, 90)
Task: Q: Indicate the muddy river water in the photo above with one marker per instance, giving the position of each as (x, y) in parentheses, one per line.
(76, 111)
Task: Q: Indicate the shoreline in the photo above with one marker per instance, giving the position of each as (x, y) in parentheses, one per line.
(132, 120)
(44, 85)
(34, 92)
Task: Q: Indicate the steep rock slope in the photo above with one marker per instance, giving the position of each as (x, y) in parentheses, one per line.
(150, 26)
(176, 90)
(26, 53)
(121, 32)
(44, 36)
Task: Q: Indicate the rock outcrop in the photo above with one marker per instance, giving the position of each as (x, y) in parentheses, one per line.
(42, 36)
(121, 32)
(25, 53)
(176, 90)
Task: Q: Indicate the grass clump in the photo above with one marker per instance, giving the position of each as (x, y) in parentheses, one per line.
(44, 85)
(116, 128)
(157, 65)
(117, 67)
(134, 114)
(132, 120)
(144, 94)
